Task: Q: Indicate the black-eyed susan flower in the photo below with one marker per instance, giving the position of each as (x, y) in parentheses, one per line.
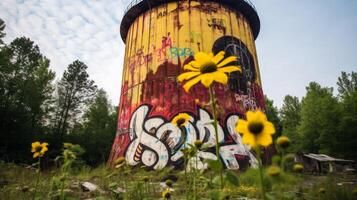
(181, 119)
(273, 171)
(146, 179)
(283, 142)
(38, 149)
(198, 144)
(256, 130)
(298, 168)
(322, 190)
(166, 194)
(207, 68)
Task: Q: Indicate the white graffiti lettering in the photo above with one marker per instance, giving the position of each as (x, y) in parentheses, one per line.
(156, 142)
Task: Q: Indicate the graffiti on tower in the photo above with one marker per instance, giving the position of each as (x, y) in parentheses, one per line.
(159, 43)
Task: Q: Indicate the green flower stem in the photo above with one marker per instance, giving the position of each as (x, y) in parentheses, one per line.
(212, 97)
(195, 177)
(186, 180)
(261, 172)
(38, 177)
(282, 163)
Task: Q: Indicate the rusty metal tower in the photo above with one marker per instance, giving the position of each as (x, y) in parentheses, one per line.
(163, 35)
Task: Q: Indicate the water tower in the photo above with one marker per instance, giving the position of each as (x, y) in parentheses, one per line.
(161, 36)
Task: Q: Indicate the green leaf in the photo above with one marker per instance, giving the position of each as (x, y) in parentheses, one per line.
(113, 184)
(215, 165)
(232, 178)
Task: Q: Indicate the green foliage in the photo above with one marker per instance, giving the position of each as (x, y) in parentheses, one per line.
(251, 177)
(320, 116)
(331, 191)
(98, 129)
(290, 119)
(214, 165)
(346, 139)
(232, 178)
(272, 114)
(347, 84)
(74, 90)
(25, 90)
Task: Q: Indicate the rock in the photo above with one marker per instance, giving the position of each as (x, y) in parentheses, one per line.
(89, 187)
(119, 190)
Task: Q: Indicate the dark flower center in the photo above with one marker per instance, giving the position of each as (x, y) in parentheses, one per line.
(255, 127)
(208, 68)
(167, 195)
(38, 149)
(180, 122)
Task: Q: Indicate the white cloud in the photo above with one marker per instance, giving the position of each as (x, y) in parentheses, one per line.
(66, 30)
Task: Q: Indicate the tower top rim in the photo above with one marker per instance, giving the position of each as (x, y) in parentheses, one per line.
(138, 7)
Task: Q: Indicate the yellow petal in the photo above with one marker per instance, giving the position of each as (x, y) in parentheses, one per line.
(220, 77)
(210, 55)
(44, 149)
(259, 116)
(36, 155)
(202, 58)
(207, 79)
(249, 139)
(242, 126)
(264, 139)
(187, 75)
(269, 128)
(227, 60)
(35, 144)
(218, 57)
(190, 68)
(45, 144)
(191, 83)
(195, 64)
(250, 115)
(230, 69)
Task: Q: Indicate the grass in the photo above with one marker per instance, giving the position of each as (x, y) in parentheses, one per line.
(17, 182)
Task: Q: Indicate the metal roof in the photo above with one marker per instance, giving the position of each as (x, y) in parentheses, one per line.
(137, 7)
(325, 158)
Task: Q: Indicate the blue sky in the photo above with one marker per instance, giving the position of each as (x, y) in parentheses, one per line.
(300, 40)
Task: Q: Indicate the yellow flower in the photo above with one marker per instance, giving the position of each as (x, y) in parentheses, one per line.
(273, 171)
(207, 68)
(298, 168)
(283, 142)
(166, 194)
(181, 119)
(256, 130)
(39, 149)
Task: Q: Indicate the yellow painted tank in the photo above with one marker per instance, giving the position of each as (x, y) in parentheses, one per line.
(163, 35)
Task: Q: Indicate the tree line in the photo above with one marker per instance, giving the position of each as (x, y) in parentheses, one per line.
(320, 122)
(36, 107)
